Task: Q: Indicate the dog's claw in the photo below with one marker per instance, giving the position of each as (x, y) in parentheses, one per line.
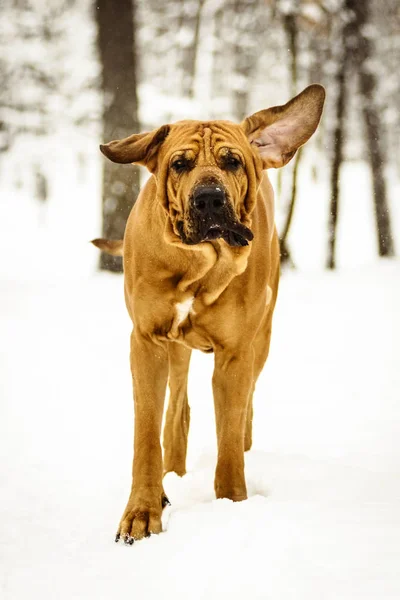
(165, 502)
(117, 537)
(128, 540)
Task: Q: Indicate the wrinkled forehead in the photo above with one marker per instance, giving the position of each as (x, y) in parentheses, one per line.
(204, 138)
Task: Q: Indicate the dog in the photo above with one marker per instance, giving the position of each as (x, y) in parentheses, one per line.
(201, 265)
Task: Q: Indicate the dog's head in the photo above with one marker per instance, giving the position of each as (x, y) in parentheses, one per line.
(208, 173)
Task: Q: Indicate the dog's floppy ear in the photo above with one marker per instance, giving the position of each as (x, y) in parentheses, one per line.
(279, 131)
(138, 148)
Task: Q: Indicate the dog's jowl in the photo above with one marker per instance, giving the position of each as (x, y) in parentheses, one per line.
(201, 263)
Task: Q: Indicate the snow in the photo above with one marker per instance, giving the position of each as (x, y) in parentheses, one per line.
(323, 516)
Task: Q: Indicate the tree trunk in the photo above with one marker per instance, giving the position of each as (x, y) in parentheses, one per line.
(286, 257)
(337, 159)
(190, 50)
(382, 214)
(245, 53)
(372, 122)
(290, 26)
(116, 45)
(218, 61)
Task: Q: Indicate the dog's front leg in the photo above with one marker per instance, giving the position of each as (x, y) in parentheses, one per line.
(232, 382)
(149, 364)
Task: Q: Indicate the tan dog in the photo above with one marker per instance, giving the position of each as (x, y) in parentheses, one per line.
(201, 263)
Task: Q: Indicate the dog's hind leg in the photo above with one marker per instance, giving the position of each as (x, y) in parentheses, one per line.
(261, 351)
(248, 434)
(177, 421)
(261, 347)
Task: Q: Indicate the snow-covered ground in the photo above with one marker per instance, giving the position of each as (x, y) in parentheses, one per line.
(323, 516)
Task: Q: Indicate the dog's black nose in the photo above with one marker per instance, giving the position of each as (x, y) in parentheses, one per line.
(209, 199)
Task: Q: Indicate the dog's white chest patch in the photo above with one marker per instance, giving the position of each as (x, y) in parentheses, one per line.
(183, 309)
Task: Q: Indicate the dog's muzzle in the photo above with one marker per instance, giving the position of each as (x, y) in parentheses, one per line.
(209, 201)
(211, 216)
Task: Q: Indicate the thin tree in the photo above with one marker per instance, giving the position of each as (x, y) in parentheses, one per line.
(338, 141)
(190, 20)
(245, 50)
(291, 31)
(116, 45)
(218, 58)
(363, 46)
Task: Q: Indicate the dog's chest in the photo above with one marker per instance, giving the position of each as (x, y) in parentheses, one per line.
(193, 309)
(189, 323)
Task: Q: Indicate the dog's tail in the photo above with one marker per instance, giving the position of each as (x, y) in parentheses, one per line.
(114, 247)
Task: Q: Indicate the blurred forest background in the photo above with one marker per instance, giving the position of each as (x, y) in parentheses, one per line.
(77, 73)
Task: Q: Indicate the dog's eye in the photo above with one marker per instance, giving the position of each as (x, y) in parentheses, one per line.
(180, 165)
(231, 163)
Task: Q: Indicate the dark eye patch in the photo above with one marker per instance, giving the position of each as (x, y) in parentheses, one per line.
(181, 164)
(230, 162)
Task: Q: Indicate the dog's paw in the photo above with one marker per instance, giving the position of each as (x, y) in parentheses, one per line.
(142, 517)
